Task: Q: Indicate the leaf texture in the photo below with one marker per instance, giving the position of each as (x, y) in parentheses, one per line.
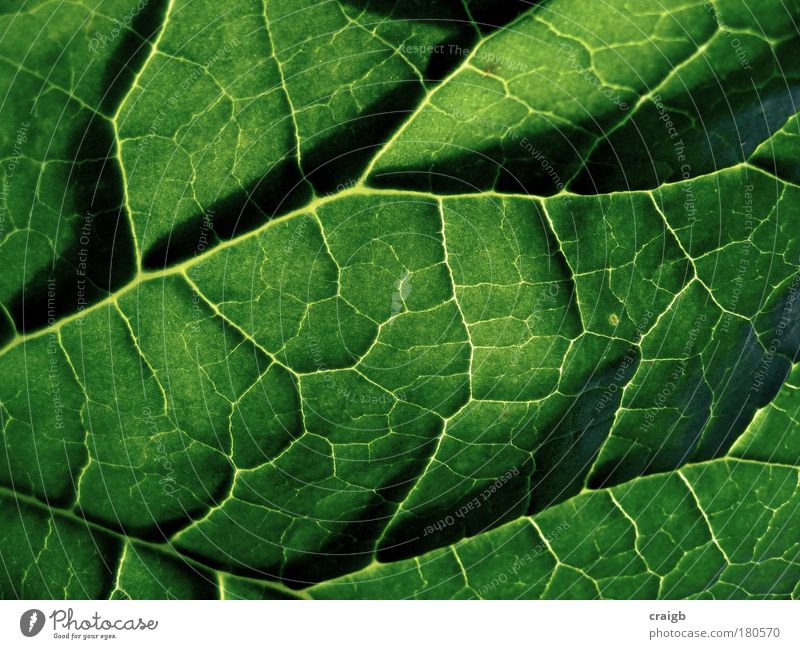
(362, 299)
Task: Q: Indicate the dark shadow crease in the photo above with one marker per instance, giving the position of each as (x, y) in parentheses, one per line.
(352, 547)
(100, 258)
(645, 154)
(439, 524)
(6, 328)
(131, 53)
(333, 160)
(348, 550)
(497, 168)
(653, 147)
(161, 531)
(572, 441)
(446, 54)
(336, 160)
(280, 191)
(491, 15)
(488, 15)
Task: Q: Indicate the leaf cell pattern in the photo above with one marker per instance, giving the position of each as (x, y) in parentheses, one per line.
(366, 299)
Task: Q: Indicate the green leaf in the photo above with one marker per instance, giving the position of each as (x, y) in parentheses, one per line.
(387, 300)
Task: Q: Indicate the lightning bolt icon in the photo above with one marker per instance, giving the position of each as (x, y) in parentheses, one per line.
(32, 621)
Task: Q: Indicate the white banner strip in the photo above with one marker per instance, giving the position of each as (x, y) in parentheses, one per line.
(401, 624)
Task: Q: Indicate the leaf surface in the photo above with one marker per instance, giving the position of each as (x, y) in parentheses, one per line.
(365, 299)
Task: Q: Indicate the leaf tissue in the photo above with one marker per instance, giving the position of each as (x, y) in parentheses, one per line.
(420, 299)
